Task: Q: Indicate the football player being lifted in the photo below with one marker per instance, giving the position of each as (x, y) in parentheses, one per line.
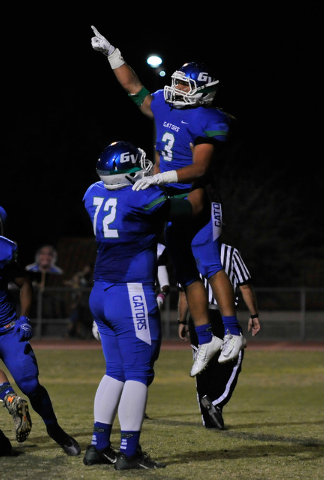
(190, 133)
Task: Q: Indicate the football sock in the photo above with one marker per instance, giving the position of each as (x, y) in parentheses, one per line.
(231, 324)
(6, 388)
(204, 333)
(132, 406)
(101, 435)
(106, 400)
(129, 442)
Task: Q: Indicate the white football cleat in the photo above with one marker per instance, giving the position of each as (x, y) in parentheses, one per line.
(232, 346)
(204, 353)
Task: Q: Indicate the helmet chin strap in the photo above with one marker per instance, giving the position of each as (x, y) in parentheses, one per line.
(130, 179)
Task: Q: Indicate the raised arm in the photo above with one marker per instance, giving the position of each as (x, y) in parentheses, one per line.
(124, 73)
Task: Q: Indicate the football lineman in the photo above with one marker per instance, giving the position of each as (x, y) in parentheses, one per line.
(189, 133)
(126, 225)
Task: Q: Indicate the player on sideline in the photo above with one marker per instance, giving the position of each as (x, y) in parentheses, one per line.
(182, 117)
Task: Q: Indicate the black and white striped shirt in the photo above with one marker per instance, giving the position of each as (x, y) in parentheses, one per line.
(234, 267)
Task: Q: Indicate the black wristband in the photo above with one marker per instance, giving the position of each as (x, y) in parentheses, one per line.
(256, 315)
(183, 322)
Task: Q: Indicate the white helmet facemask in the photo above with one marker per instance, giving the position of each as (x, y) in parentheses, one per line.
(121, 180)
(203, 95)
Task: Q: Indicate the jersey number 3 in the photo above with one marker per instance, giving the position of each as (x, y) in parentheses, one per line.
(110, 206)
(168, 140)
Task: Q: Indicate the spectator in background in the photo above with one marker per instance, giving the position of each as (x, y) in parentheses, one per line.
(45, 263)
(80, 325)
(41, 274)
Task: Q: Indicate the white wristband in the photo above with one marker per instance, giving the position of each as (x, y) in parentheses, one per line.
(169, 177)
(115, 59)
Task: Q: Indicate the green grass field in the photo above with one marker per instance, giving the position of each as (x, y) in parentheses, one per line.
(274, 422)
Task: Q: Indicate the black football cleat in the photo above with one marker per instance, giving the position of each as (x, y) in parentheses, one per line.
(69, 445)
(215, 414)
(141, 460)
(94, 456)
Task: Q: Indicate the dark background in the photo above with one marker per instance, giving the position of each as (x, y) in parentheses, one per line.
(61, 105)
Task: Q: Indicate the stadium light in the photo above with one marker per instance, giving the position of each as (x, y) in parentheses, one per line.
(154, 61)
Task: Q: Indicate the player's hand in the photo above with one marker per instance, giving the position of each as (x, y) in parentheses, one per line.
(95, 331)
(183, 332)
(254, 326)
(100, 43)
(160, 299)
(145, 182)
(23, 329)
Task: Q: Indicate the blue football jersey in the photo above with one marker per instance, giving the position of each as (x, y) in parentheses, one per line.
(126, 225)
(176, 128)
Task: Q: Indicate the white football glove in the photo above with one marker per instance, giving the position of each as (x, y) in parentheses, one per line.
(95, 331)
(158, 179)
(100, 43)
(145, 182)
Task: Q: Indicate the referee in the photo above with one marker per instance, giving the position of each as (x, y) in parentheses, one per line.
(215, 384)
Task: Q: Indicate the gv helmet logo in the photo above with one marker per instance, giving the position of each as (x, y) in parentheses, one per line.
(127, 157)
(203, 77)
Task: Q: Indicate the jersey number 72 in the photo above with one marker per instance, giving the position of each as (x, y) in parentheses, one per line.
(111, 207)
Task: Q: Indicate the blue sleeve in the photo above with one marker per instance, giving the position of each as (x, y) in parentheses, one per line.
(216, 126)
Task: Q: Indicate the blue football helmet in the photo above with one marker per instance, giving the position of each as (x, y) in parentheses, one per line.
(121, 164)
(202, 86)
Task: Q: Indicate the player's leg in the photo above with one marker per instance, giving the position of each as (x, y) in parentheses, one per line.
(129, 326)
(216, 384)
(24, 369)
(139, 341)
(111, 385)
(178, 243)
(206, 250)
(224, 294)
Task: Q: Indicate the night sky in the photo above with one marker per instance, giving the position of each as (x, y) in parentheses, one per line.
(61, 104)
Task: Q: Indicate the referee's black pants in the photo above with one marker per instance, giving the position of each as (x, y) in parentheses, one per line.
(218, 380)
